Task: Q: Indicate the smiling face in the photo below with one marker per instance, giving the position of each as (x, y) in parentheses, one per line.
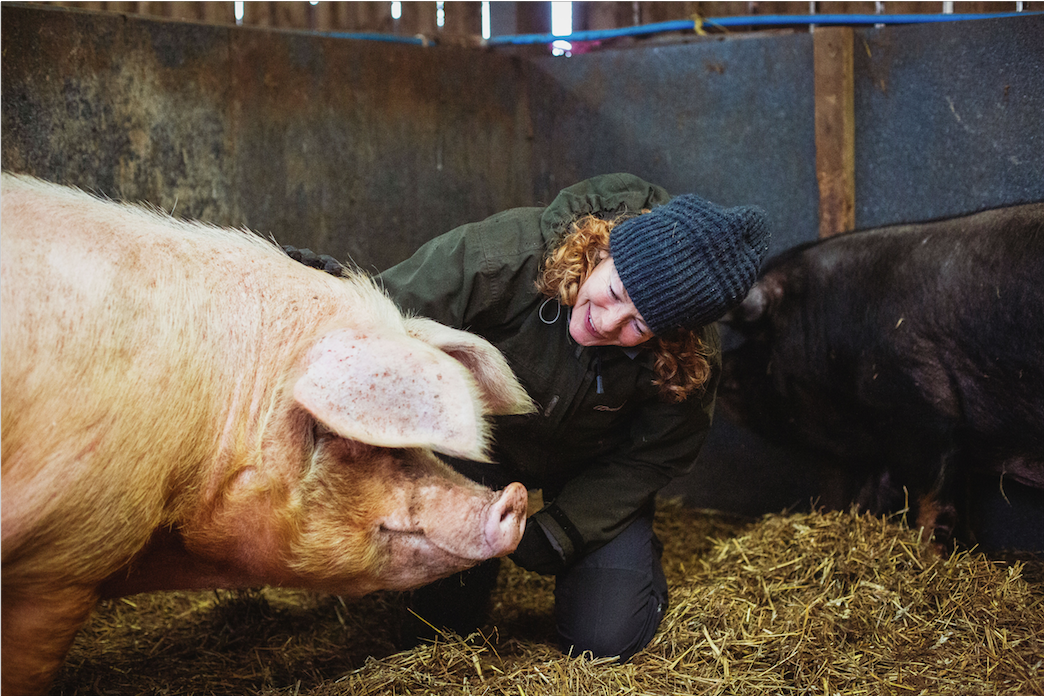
(604, 314)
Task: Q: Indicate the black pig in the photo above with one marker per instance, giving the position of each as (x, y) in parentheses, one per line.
(913, 354)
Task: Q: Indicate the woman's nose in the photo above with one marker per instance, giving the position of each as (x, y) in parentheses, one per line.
(615, 318)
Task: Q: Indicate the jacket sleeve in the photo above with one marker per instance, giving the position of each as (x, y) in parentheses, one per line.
(460, 278)
(595, 506)
(435, 281)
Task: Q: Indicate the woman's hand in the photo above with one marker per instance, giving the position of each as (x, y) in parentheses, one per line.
(536, 552)
(314, 260)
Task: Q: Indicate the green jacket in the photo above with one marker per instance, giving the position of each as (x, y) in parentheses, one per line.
(599, 456)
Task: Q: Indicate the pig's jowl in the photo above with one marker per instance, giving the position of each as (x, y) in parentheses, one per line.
(186, 407)
(912, 354)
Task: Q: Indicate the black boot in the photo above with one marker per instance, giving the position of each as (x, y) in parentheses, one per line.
(457, 604)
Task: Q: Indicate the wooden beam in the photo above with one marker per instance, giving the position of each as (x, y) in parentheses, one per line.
(835, 128)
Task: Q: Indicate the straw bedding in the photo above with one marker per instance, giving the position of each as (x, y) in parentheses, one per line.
(812, 603)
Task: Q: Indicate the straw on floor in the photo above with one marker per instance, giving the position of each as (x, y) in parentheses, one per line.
(811, 603)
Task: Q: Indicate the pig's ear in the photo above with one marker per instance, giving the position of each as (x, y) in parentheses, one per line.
(392, 391)
(502, 393)
(759, 302)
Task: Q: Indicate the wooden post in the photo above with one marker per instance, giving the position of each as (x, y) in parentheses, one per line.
(835, 128)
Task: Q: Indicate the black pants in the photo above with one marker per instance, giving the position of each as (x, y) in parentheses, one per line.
(609, 603)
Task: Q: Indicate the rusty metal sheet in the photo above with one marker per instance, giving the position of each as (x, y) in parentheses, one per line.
(360, 149)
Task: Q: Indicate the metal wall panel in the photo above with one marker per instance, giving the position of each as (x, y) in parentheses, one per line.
(731, 120)
(360, 149)
(949, 118)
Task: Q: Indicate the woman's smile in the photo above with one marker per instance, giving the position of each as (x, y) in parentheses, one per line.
(591, 327)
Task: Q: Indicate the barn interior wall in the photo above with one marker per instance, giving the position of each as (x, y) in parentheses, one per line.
(364, 150)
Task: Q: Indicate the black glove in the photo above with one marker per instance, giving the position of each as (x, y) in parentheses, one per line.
(314, 260)
(535, 551)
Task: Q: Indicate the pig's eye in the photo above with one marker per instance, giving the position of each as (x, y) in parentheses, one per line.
(406, 532)
(409, 468)
(319, 433)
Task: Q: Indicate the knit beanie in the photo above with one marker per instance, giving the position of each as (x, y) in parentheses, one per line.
(686, 263)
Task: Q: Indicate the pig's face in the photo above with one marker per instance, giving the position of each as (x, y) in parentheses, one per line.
(350, 497)
(778, 380)
(410, 518)
(752, 384)
(381, 406)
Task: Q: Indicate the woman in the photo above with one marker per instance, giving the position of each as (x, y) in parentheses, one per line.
(605, 312)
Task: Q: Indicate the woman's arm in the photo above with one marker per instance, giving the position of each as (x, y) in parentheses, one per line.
(600, 501)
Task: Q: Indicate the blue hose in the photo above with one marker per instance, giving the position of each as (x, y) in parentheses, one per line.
(690, 25)
(748, 21)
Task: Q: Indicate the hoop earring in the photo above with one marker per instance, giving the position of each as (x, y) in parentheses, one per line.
(557, 314)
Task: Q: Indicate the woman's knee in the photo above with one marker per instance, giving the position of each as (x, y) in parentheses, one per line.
(610, 628)
(611, 602)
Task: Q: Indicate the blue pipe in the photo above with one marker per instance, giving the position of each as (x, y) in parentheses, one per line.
(748, 21)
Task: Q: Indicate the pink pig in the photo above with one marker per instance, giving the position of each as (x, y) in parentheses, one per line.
(186, 407)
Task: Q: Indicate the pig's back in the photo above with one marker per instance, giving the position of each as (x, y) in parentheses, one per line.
(137, 353)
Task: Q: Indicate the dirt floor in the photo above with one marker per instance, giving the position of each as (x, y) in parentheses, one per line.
(818, 603)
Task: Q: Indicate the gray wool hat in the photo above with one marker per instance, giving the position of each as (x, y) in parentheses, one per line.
(686, 263)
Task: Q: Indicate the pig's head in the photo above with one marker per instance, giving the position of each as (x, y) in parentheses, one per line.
(749, 391)
(785, 374)
(378, 510)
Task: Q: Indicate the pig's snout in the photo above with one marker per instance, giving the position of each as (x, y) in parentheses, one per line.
(507, 520)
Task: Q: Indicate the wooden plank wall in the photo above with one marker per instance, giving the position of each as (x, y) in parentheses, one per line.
(835, 128)
(463, 21)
